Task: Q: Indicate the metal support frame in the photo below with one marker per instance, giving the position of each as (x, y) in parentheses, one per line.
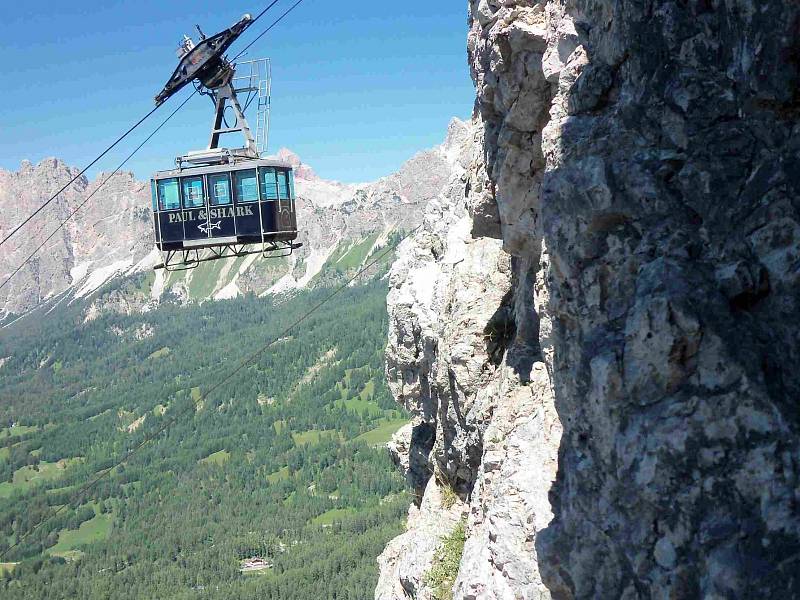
(263, 72)
(191, 259)
(224, 95)
(254, 78)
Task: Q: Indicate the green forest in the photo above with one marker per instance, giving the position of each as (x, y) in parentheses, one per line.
(284, 463)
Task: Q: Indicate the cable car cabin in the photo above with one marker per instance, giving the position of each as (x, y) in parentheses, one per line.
(220, 202)
(223, 208)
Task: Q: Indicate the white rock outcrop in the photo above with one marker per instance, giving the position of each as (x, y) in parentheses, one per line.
(478, 417)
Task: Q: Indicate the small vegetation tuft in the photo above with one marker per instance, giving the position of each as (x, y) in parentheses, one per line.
(442, 575)
(449, 497)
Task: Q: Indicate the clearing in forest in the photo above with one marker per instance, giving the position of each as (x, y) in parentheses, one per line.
(383, 433)
(217, 458)
(26, 477)
(96, 529)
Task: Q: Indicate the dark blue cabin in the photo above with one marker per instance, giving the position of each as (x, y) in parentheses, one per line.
(252, 202)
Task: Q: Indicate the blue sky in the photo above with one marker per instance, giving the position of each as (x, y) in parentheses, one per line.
(358, 88)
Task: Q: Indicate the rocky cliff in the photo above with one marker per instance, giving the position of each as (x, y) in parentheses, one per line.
(340, 226)
(112, 234)
(596, 334)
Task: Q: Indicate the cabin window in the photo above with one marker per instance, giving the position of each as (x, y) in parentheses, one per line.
(193, 196)
(291, 184)
(246, 185)
(269, 187)
(219, 189)
(154, 194)
(169, 196)
(283, 184)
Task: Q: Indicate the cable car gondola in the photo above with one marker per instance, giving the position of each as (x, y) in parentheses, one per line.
(220, 202)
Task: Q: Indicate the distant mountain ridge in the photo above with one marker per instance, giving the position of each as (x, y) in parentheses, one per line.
(341, 224)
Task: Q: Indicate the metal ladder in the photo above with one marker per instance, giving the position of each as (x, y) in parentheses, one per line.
(264, 109)
(255, 77)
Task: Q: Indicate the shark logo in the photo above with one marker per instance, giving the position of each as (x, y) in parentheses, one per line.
(206, 227)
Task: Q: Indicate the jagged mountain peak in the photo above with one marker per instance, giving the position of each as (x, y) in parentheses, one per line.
(51, 167)
(458, 131)
(301, 170)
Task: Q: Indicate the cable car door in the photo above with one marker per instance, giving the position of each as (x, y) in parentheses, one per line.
(247, 203)
(195, 208)
(221, 222)
(169, 212)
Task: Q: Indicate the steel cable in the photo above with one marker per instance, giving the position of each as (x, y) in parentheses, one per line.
(268, 29)
(74, 179)
(107, 150)
(117, 141)
(89, 197)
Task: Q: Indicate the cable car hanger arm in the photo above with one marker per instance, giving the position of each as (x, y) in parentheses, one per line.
(203, 61)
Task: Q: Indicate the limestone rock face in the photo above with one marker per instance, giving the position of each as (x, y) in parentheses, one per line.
(672, 164)
(598, 335)
(453, 312)
(405, 562)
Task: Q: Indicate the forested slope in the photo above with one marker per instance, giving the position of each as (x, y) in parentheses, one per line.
(285, 463)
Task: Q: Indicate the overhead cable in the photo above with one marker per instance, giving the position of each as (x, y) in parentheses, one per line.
(74, 179)
(122, 137)
(268, 29)
(90, 196)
